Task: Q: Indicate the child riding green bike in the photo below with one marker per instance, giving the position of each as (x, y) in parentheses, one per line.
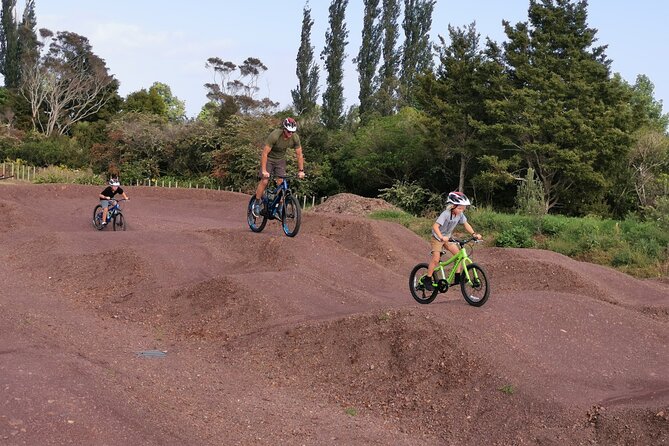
(442, 230)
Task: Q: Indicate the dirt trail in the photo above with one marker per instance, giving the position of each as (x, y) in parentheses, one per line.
(266, 339)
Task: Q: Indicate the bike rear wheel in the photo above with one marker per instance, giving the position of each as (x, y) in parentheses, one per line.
(119, 222)
(291, 216)
(258, 223)
(418, 291)
(475, 291)
(97, 218)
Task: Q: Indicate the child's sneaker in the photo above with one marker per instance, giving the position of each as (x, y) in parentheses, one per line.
(427, 283)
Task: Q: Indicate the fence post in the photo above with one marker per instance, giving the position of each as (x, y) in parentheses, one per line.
(313, 200)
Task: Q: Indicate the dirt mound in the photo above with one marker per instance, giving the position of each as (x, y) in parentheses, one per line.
(350, 204)
(265, 339)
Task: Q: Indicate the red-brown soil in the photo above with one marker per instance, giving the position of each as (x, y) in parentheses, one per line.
(309, 340)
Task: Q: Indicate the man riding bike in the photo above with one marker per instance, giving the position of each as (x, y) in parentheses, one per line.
(273, 158)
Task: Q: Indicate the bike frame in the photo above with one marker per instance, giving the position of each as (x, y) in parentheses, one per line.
(111, 210)
(461, 258)
(280, 192)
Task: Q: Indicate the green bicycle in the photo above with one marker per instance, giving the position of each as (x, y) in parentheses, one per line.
(473, 279)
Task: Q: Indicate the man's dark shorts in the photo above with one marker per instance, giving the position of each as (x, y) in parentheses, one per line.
(275, 167)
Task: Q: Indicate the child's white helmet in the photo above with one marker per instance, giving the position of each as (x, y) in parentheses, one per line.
(458, 199)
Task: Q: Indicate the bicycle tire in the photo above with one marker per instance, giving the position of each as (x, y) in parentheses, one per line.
(97, 218)
(477, 292)
(420, 294)
(291, 216)
(119, 222)
(256, 224)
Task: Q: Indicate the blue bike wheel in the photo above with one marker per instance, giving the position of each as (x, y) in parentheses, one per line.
(256, 223)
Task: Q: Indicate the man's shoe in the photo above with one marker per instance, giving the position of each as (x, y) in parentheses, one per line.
(257, 208)
(456, 279)
(427, 283)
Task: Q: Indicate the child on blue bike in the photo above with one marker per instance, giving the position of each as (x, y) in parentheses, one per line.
(107, 195)
(442, 229)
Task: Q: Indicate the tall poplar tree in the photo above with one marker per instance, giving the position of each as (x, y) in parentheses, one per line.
(306, 93)
(18, 42)
(368, 57)
(9, 45)
(416, 50)
(387, 79)
(333, 55)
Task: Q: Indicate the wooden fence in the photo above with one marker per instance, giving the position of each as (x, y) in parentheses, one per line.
(23, 172)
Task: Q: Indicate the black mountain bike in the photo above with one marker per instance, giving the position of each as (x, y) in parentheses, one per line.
(278, 203)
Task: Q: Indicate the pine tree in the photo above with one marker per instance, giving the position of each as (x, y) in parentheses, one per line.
(387, 79)
(416, 50)
(368, 57)
(306, 93)
(455, 95)
(334, 54)
(565, 116)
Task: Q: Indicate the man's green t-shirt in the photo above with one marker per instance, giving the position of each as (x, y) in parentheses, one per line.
(279, 144)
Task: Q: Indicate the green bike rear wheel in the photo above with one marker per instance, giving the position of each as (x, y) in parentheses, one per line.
(418, 291)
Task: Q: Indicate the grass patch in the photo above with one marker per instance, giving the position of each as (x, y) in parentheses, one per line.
(508, 389)
(639, 248)
(351, 411)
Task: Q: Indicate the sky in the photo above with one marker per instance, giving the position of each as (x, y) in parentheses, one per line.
(147, 41)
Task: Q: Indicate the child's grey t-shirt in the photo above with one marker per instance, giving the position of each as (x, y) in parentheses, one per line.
(448, 222)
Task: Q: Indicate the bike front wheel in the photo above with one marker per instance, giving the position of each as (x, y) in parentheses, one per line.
(418, 291)
(97, 218)
(119, 222)
(291, 216)
(258, 223)
(475, 290)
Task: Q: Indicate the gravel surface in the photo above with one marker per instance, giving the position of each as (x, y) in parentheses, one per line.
(189, 329)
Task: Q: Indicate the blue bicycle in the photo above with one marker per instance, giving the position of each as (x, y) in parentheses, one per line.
(278, 203)
(114, 215)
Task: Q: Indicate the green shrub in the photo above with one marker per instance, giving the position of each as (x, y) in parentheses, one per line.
(551, 225)
(518, 237)
(412, 198)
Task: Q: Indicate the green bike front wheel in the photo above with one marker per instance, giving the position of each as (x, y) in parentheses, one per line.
(418, 291)
(475, 290)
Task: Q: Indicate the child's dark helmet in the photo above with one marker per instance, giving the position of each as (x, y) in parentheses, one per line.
(458, 199)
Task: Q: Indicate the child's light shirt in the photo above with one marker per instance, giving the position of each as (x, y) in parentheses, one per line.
(447, 223)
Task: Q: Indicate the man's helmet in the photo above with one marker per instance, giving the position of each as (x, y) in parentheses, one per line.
(290, 125)
(114, 182)
(458, 199)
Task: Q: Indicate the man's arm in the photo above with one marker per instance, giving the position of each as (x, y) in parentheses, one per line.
(300, 161)
(263, 160)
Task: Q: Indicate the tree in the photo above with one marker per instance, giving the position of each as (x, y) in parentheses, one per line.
(175, 108)
(143, 101)
(306, 93)
(66, 84)
(17, 41)
(647, 109)
(565, 116)
(368, 57)
(386, 99)
(9, 45)
(455, 95)
(333, 55)
(649, 162)
(238, 95)
(416, 50)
